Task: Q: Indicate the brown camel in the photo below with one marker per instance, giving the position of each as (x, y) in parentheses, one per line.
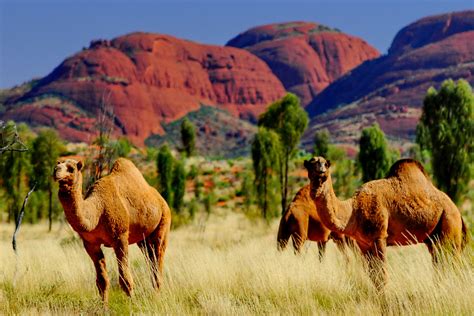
(119, 209)
(301, 222)
(404, 208)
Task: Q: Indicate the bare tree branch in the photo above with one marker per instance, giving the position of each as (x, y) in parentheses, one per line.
(10, 142)
(20, 217)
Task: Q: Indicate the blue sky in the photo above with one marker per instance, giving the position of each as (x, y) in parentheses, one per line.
(35, 36)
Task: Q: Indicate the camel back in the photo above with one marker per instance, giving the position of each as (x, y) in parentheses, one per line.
(127, 173)
(404, 164)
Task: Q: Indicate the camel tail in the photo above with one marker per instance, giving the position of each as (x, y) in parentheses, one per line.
(283, 235)
(465, 235)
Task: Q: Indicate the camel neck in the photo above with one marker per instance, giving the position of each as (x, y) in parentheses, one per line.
(79, 213)
(334, 213)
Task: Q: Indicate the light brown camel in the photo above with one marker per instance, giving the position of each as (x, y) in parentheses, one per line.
(119, 209)
(301, 222)
(404, 208)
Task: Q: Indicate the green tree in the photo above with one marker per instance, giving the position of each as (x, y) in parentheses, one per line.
(165, 163)
(265, 150)
(345, 177)
(14, 166)
(374, 157)
(247, 190)
(446, 129)
(179, 186)
(45, 151)
(188, 137)
(289, 120)
(321, 143)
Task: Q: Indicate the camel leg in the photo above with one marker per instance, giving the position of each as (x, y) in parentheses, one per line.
(342, 245)
(121, 251)
(299, 237)
(154, 247)
(102, 279)
(298, 241)
(147, 248)
(445, 239)
(283, 235)
(375, 256)
(321, 249)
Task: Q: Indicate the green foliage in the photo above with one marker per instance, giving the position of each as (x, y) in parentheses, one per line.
(209, 201)
(151, 153)
(198, 187)
(345, 176)
(121, 147)
(265, 149)
(179, 183)
(321, 143)
(188, 137)
(164, 164)
(422, 155)
(10, 138)
(335, 153)
(446, 130)
(193, 172)
(45, 151)
(289, 120)
(193, 208)
(14, 167)
(374, 157)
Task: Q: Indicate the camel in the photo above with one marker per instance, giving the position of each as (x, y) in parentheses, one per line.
(301, 222)
(402, 209)
(119, 209)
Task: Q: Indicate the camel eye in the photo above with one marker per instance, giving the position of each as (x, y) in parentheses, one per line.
(70, 169)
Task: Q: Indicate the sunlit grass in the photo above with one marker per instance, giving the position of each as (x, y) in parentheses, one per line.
(227, 265)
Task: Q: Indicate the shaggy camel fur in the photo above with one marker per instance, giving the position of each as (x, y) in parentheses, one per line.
(301, 222)
(404, 208)
(119, 209)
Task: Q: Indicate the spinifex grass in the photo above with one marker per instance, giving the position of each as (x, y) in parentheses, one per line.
(227, 266)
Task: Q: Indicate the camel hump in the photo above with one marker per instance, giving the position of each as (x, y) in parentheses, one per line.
(122, 165)
(406, 165)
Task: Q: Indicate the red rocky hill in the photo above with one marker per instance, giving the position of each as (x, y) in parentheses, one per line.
(390, 89)
(147, 79)
(306, 57)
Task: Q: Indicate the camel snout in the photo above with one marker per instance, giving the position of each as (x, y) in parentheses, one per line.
(55, 176)
(58, 172)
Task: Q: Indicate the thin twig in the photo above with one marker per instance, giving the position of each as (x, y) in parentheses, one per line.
(10, 147)
(20, 217)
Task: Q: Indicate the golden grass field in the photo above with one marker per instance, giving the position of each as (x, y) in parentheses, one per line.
(226, 265)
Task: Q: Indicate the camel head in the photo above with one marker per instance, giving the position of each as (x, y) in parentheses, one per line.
(318, 171)
(67, 171)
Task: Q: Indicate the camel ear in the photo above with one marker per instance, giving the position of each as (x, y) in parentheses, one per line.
(328, 162)
(79, 165)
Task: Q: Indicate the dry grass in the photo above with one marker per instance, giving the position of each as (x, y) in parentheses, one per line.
(228, 266)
